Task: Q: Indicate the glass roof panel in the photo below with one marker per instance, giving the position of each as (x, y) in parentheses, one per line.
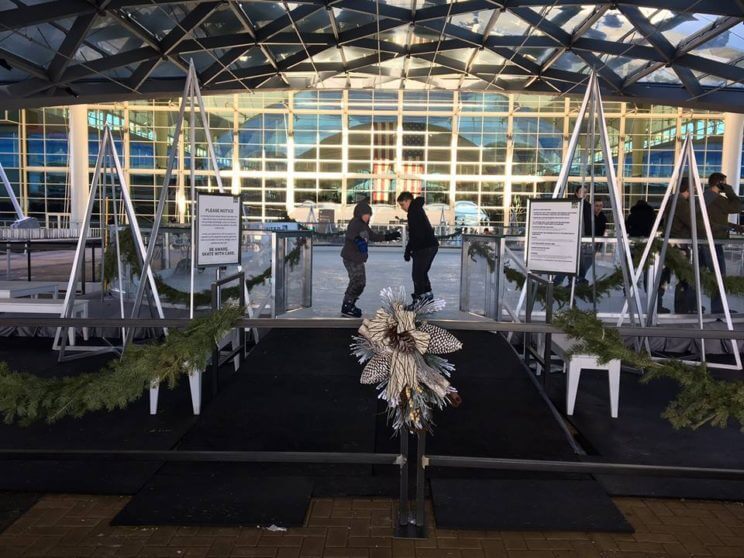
(679, 27)
(486, 56)
(569, 18)
(281, 52)
(398, 3)
(728, 47)
(509, 24)
(263, 13)
(354, 53)
(332, 54)
(317, 22)
(473, 21)
(570, 62)
(622, 65)
(662, 75)
(612, 26)
(111, 37)
(250, 59)
(538, 55)
(36, 44)
(348, 21)
(221, 22)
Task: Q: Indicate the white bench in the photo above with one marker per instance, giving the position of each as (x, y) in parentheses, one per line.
(46, 306)
(561, 345)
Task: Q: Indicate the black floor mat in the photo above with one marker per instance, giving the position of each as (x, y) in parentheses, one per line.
(641, 435)
(525, 505)
(13, 505)
(307, 399)
(130, 428)
(209, 495)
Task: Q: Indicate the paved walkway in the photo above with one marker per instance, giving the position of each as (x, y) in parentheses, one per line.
(63, 525)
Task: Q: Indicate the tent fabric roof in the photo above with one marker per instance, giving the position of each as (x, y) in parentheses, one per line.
(675, 52)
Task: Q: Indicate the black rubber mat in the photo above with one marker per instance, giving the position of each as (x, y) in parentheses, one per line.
(131, 428)
(641, 435)
(13, 505)
(209, 495)
(525, 505)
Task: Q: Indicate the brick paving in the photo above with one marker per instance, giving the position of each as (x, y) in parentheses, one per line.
(74, 525)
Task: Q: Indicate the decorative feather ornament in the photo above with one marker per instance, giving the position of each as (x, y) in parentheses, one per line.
(400, 352)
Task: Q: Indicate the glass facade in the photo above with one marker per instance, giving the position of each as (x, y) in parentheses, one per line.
(284, 149)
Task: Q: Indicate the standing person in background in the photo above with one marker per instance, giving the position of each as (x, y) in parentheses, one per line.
(585, 261)
(422, 246)
(720, 201)
(639, 223)
(685, 296)
(355, 253)
(640, 220)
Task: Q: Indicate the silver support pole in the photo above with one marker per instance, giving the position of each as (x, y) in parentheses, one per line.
(162, 201)
(560, 185)
(11, 194)
(120, 276)
(592, 186)
(696, 195)
(134, 226)
(626, 259)
(695, 177)
(673, 181)
(69, 301)
(192, 192)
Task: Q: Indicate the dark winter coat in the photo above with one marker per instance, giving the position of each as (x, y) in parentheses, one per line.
(358, 235)
(420, 231)
(719, 207)
(640, 221)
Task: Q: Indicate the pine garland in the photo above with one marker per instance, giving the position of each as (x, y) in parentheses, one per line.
(26, 398)
(702, 399)
(675, 260)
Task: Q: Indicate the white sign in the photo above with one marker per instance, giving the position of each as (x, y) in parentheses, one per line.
(217, 230)
(553, 236)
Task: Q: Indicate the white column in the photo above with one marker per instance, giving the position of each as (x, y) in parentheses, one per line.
(79, 187)
(733, 135)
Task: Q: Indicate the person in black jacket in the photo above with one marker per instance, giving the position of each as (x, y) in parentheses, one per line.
(355, 253)
(641, 219)
(422, 246)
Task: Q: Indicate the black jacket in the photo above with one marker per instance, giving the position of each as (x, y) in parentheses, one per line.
(358, 235)
(641, 219)
(420, 232)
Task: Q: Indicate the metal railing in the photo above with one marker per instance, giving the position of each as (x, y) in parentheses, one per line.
(411, 521)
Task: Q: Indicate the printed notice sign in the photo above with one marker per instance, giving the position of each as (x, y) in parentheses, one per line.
(217, 230)
(553, 236)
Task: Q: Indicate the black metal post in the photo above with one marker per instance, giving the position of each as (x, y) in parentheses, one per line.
(548, 336)
(28, 260)
(216, 349)
(403, 507)
(82, 287)
(420, 485)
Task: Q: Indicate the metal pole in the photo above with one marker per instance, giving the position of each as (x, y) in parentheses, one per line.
(403, 504)
(192, 193)
(161, 205)
(420, 485)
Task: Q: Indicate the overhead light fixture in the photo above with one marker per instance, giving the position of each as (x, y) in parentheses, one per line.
(71, 91)
(243, 59)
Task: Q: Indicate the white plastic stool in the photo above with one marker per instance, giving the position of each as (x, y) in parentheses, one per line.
(576, 364)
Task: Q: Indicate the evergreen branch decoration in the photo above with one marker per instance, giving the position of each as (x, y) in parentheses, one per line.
(26, 398)
(702, 399)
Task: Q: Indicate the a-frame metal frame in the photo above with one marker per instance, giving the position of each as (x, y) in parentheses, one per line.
(591, 106)
(671, 196)
(106, 151)
(192, 98)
